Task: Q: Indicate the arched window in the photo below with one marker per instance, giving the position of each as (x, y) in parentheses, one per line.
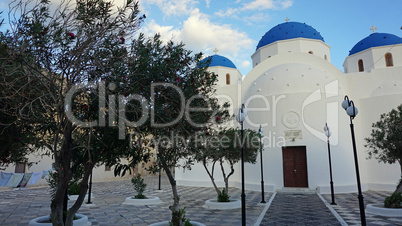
(311, 52)
(227, 79)
(388, 60)
(360, 64)
(325, 57)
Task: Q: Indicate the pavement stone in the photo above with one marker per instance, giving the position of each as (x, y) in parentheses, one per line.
(348, 208)
(298, 209)
(17, 207)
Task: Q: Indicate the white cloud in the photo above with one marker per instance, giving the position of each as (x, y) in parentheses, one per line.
(208, 3)
(200, 34)
(255, 5)
(228, 13)
(286, 4)
(257, 18)
(259, 4)
(245, 64)
(167, 32)
(174, 7)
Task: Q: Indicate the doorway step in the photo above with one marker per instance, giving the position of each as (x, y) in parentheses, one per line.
(296, 190)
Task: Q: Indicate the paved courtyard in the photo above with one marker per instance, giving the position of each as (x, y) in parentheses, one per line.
(18, 207)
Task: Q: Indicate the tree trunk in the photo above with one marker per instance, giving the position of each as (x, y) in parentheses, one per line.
(399, 187)
(176, 218)
(211, 175)
(62, 166)
(225, 179)
(81, 196)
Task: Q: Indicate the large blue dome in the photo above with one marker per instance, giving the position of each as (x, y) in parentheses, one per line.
(375, 40)
(289, 30)
(218, 60)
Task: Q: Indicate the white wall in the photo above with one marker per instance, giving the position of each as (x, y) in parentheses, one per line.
(373, 58)
(41, 163)
(297, 45)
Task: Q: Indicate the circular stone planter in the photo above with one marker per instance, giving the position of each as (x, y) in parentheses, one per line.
(164, 223)
(150, 200)
(81, 221)
(214, 204)
(379, 209)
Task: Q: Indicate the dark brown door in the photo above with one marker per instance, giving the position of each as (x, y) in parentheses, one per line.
(295, 166)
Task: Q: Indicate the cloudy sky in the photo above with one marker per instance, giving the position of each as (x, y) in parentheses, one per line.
(234, 27)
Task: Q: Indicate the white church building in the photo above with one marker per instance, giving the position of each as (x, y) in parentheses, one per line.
(293, 90)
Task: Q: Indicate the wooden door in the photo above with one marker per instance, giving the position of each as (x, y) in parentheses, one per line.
(295, 166)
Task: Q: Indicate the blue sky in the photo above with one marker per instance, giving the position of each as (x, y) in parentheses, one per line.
(234, 27)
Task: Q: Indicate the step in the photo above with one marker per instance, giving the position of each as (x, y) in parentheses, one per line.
(296, 190)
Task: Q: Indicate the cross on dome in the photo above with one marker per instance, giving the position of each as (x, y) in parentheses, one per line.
(287, 19)
(373, 29)
(216, 51)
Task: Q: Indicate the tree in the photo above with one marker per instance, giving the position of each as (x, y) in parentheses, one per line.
(223, 146)
(385, 141)
(178, 93)
(74, 49)
(15, 134)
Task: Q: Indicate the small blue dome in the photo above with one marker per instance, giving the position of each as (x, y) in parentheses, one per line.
(289, 30)
(375, 40)
(218, 60)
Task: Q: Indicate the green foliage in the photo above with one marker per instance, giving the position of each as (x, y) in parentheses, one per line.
(393, 201)
(385, 141)
(225, 145)
(73, 188)
(223, 196)
(179, 218)
(44, 56)
(52, 181)
(139, 186)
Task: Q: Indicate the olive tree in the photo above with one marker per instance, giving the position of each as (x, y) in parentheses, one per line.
(385, 141)
(47, 54)
(224, 146)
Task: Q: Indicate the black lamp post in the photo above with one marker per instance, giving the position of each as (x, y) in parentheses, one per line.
(260, 132)
(351, 110)
(328, 134)
(240, 118)
(90, 189)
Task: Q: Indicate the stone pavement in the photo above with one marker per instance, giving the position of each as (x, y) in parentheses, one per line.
(348, 208)
(18, 207)
(298, 209)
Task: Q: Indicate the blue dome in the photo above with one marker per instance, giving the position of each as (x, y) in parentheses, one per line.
(289, 30)
(375, 40)
(218, 60)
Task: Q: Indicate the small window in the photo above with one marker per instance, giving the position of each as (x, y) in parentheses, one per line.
(311, 52)
(20, 167)
(325, 57)
(107, 168)
(228, 79)
(388, 60)
(360, 64)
